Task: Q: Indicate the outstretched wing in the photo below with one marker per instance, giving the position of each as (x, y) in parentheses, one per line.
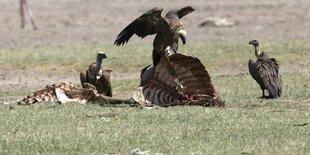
(146, 24)
(184, 11)
(197, 88)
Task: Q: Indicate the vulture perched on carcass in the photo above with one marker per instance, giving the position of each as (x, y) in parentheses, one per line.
(97, 76)
(265, 71)
(168, 30)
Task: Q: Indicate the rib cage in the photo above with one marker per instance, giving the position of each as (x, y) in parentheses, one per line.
(197, 87)
(63, 93)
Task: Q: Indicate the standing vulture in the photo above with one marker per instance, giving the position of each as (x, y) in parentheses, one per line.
(168, 30)
(265, 71)
(98, 77)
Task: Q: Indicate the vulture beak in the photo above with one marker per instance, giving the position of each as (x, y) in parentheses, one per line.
(254, 42)
(101, 54)
(183, 36)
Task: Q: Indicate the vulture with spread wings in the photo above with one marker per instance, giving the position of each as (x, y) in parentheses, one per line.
(168, 30)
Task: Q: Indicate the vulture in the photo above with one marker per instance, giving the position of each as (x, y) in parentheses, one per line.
(98, 77)
(265, 71)
(168, 30)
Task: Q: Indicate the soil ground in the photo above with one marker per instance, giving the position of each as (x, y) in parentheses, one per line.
(76, 22)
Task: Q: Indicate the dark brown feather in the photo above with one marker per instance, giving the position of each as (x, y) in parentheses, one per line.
(146, 24)
(266, 73)
(184, 11)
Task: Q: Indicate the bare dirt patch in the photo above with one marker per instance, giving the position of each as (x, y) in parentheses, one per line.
(66, 22)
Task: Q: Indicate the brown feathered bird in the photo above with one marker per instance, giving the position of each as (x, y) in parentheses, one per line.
(98, 77)
(168, 30)
(265, 71)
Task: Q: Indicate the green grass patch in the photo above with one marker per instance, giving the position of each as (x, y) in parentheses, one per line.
(133, 57)
(178, 130)
(243, 89)
(247, 125)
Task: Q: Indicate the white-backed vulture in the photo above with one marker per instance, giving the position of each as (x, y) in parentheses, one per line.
(98, 77)
(265, 71)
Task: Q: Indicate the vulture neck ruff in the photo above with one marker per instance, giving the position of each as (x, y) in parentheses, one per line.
(98, 64)
(257, 51)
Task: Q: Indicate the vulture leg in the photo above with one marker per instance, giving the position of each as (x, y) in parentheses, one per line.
(264, 96)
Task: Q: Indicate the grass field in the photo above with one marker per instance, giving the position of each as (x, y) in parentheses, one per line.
(247, 125)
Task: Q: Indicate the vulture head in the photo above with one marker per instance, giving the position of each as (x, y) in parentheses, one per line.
(175, 26)
(254, 42)
(95, 68)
